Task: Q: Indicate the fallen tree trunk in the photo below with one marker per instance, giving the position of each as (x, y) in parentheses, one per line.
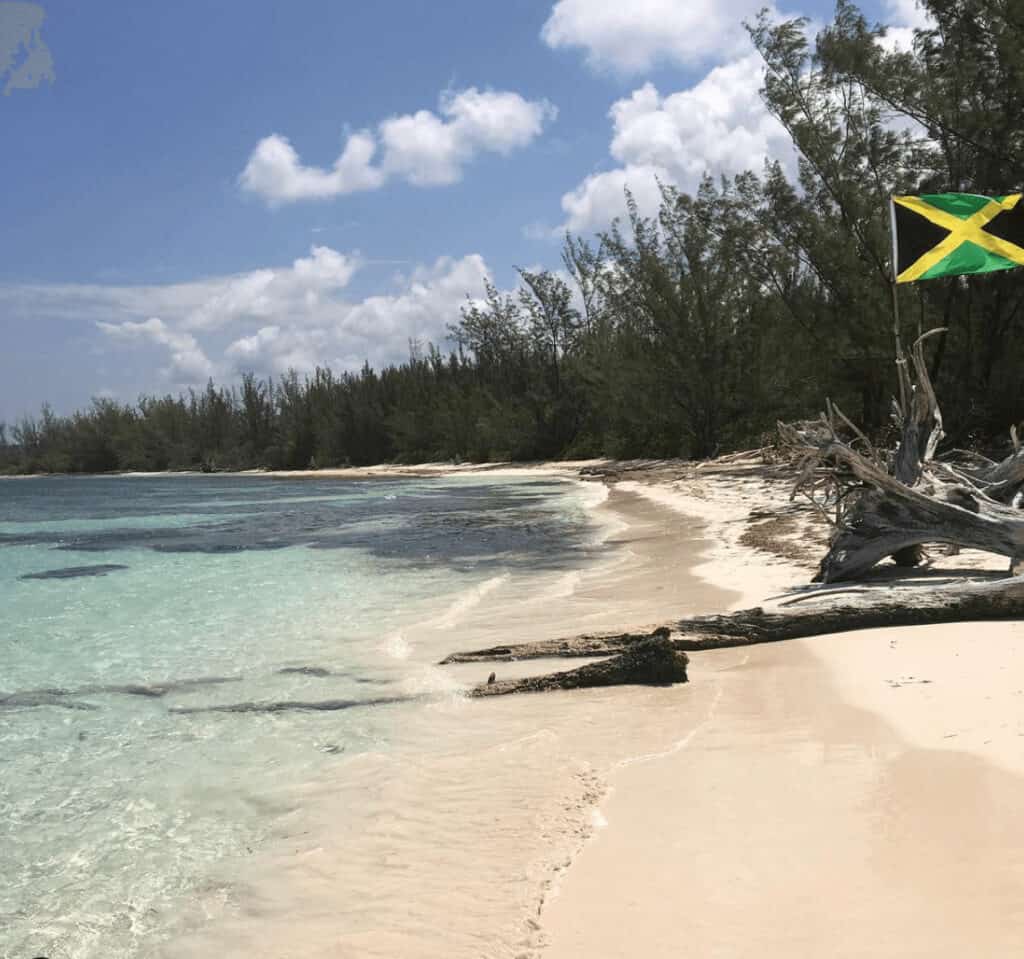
(588, 644)
(913, 606)
(654, 661)
(909, 606)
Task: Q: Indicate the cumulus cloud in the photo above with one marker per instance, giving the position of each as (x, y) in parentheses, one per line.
(273, 349)
(275, 172)
(189, 364)
(600, 198)
(422, 148)
(376, 329)
(269, 320)
(295, 291)
(720, 125)
(380, 327)
(635, 36)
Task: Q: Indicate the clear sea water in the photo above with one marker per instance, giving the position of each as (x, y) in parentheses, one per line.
(172, 647)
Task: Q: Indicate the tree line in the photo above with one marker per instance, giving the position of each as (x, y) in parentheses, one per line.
(686, 333)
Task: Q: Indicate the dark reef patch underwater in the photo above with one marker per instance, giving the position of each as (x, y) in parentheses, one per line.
(76, 572)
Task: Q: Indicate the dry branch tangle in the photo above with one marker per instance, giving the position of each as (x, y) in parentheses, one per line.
(892, 505)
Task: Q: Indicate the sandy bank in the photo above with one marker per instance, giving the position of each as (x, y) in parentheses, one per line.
(851, 795)
(568, 468)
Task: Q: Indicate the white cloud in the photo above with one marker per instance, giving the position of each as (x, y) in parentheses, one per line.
(720, 125)
(423, 148)
(904, 17)
(295, 291)
(274, 170)
(634, 36)
(380, 327)
(272, 349)
(909, 13)
(189, 364)
(247, 347)
(600, 198)
(268, 320)
(376, 329)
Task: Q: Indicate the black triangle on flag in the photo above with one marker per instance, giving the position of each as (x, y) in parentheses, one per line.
(1008, 225)
(913, 236)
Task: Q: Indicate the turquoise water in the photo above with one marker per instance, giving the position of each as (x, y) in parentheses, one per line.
(174, 647)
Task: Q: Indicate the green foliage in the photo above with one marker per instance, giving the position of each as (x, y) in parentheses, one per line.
(683, 334)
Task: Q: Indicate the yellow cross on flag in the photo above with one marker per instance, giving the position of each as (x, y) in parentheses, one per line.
(948, 234)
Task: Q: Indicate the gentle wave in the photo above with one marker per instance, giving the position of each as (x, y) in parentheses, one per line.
(467, 601)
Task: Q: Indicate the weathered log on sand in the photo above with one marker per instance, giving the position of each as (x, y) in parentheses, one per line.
(910, 606)
(653, 662)
(588, 644)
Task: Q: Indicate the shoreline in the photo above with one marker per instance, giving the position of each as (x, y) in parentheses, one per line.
(711, 818)
(875, 771)
(378, 471)
(449, 843)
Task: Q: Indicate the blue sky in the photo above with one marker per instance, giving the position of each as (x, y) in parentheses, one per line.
(172, 208)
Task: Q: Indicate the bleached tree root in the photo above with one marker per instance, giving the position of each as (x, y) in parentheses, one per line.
(891, 517)
(893, 503)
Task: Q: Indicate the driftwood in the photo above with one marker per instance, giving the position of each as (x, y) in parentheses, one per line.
(588, 644)
(892, 504)
(914, 606)
(909, 606)
(651, 661)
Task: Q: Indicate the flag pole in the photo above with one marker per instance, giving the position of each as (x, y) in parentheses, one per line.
(901, 361)
(893, 290)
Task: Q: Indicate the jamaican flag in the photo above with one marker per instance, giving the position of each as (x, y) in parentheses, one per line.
(946, 234)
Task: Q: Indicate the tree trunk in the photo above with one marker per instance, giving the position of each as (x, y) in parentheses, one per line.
(651, 661)
(863, 609)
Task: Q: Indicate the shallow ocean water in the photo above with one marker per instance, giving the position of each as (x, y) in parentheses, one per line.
(183, 656)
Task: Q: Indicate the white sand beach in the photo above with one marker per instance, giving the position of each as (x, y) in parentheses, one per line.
(847, 795)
